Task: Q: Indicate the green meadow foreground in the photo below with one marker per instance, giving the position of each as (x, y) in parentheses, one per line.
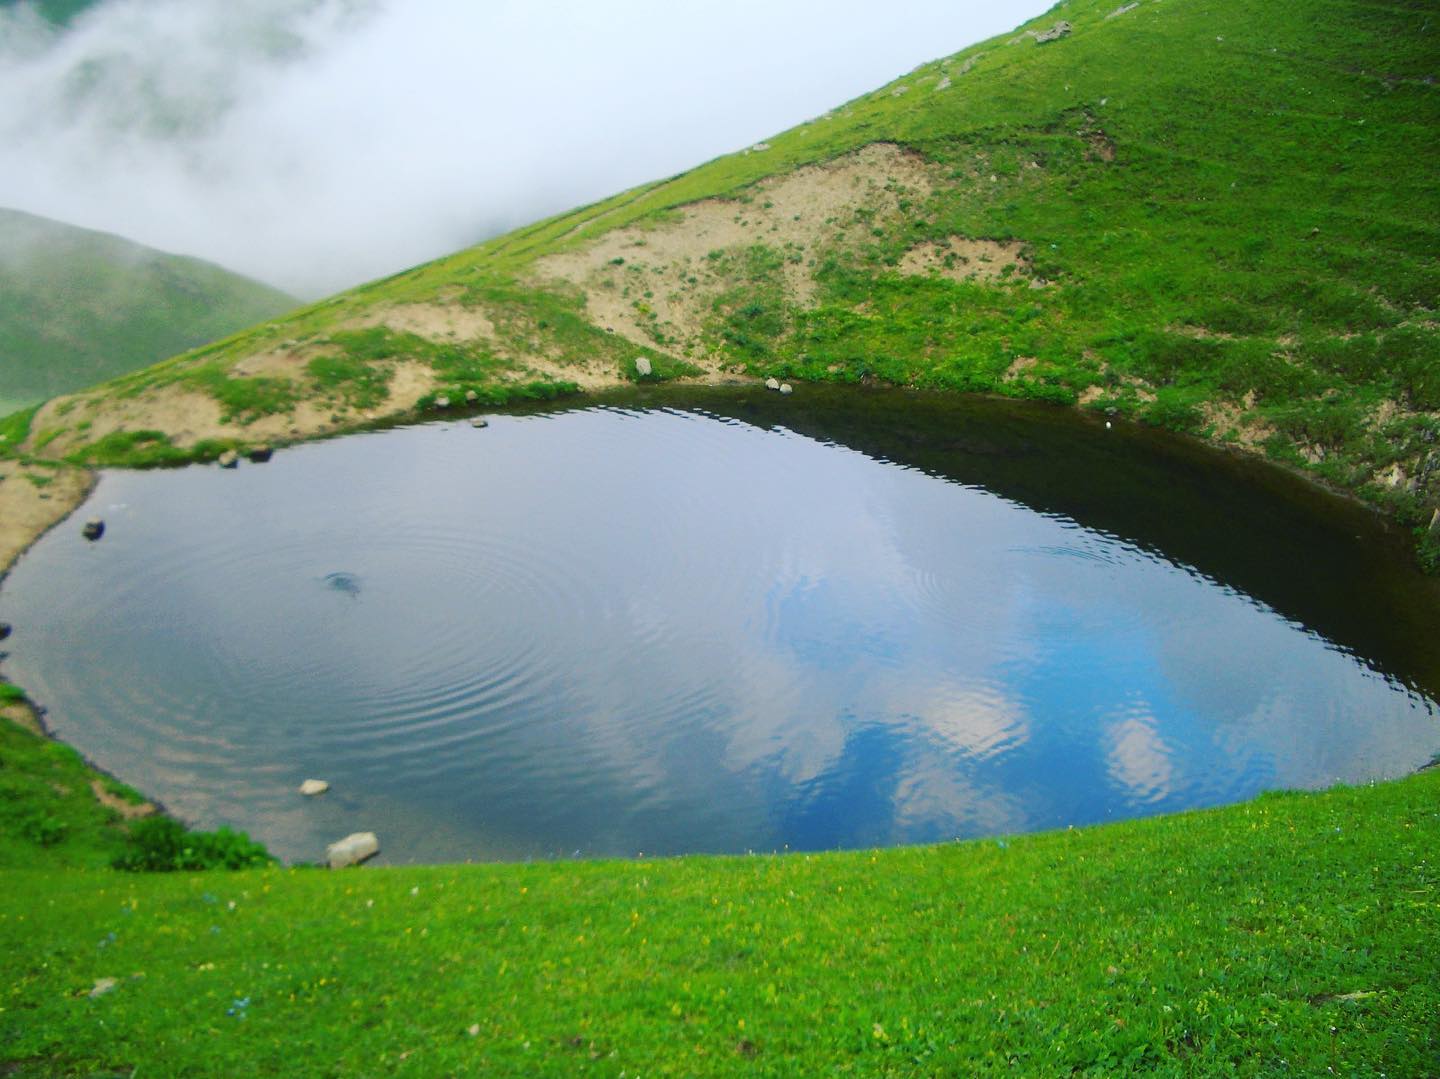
(1289, 935)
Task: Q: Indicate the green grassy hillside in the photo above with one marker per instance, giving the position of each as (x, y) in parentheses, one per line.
(78, 307)
(1220, 216)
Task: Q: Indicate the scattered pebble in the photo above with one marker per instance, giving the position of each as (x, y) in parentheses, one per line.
(473, 1030)
(471, 397)
(785, 387)
(772, 383)
(102, 986)
(94, 529)
(312, 787)
(642, 366)
(261, 454)
(228, 459)
(442, 402)
(479, 421)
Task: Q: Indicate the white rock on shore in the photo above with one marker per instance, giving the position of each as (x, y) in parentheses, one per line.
(313, 787)
(352, 850)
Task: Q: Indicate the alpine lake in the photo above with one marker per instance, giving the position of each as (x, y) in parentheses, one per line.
(675, 621)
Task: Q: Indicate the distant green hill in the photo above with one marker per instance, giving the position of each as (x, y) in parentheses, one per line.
(57, 11)
(78, 307)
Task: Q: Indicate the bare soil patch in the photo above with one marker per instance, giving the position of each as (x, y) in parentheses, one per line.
(127, 810)
(28, 511)
(962, 259)
(189, 416)
(1233, 424)
(432, 321)
(801, 213)
(24, 717)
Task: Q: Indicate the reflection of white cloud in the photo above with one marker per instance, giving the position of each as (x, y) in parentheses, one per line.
(933, 798)
(1138, 758)
(978, 720)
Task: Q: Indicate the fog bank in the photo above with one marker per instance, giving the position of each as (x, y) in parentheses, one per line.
(315, 144)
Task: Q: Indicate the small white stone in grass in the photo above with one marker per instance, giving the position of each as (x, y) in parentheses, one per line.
(785, 387)
(772, 383)
(1107, 425)
(312, 787)
(102, 986)
(473, 1030)
(642, 366)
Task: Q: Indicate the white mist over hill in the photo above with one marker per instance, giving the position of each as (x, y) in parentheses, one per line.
(315, 144)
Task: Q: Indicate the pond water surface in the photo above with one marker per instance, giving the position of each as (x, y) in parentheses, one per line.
(724, 622)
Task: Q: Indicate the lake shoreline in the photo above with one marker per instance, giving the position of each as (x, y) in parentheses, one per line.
(1036, 454)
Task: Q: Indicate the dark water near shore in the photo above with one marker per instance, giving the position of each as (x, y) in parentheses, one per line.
(725, 622)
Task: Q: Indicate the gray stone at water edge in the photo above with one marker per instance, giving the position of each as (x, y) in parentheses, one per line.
(93, 529)
(772, 383)
(785, 387)
(5, 630)
(229, 459)
(261, 454)
(642, 366)
(442, 402)
(352, 850)
(479, 421)
(312, 787)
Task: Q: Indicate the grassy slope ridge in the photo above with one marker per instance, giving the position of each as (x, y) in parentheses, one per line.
(1222, 216)
(1291, 935)
(78, 307)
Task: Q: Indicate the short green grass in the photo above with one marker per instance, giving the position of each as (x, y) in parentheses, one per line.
(48, 813)
(144, 449)
(1290, 935)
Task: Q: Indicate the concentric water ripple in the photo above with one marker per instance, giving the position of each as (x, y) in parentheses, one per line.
(618, 630)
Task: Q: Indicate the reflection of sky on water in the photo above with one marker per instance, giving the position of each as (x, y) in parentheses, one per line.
(611, 633)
